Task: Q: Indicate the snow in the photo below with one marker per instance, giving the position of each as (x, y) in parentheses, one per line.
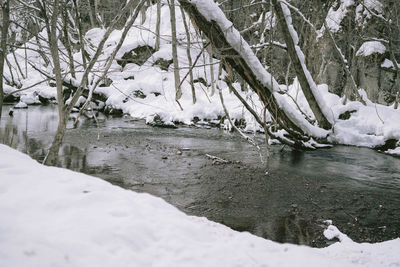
(335, 16)
(364, 128)
(363, 11)
(315, 91)
(30, 98)
(148, 78)
(387, 64)
(371, 47)
(395, 151)
(368, 126)
(209, 9)
(21, 105)
(333, 232)
(56, 217)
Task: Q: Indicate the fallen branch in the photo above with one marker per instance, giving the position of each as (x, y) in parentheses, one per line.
(217, 160)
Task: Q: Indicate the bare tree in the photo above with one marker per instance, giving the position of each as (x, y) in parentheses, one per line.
(158, 25)
(65, 110)
(175, 50)
(91, 16)
(189, 56)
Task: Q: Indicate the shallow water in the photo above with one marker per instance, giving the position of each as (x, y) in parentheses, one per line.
(357, 188)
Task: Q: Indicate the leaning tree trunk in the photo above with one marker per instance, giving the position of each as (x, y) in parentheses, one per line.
(308, 85)
(237, 53)
(5, 8)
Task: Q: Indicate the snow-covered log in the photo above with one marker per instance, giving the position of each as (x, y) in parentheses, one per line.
(230, 46)
(308, 86)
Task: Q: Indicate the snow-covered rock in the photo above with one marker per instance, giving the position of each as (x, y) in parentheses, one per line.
(21, 105)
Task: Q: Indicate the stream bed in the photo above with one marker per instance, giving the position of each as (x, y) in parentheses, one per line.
(357, 188)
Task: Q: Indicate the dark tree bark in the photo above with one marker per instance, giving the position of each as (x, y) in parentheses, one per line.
(5, 9)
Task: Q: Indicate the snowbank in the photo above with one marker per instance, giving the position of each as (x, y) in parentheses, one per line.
(56, 217)
(369, 126)
(152, 82)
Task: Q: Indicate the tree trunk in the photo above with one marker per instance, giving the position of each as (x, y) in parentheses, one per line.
(307, 84)
(51, 157)
(211, 61)
(67, 43)
(396, 101)
(158, 24)
(175, 50)
(346, 68)
(64, 110)
(284, 115)
(91, 17)
(80, 33)
(189, 56)
(97, 14)
(5, 9)
(395, 64)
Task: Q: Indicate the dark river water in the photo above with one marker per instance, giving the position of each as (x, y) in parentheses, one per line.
(357, 188)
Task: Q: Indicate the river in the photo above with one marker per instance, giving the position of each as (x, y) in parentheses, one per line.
(357, 188)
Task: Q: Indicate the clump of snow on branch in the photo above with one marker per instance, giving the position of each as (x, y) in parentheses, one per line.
(364, 9)
(371, 47)
(387, 64)
(336, 15)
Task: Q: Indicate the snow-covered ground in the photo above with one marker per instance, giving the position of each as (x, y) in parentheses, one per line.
(56, 217)
(369, 126)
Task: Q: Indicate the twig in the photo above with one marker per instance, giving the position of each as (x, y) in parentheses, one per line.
(218, 160)
(26, 88)
(376, 109)
(194, 63)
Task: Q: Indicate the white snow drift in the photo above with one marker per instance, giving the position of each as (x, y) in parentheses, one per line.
(56, 217)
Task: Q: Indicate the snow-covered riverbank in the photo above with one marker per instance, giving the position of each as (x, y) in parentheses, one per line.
(140, 83)
(55, 217)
